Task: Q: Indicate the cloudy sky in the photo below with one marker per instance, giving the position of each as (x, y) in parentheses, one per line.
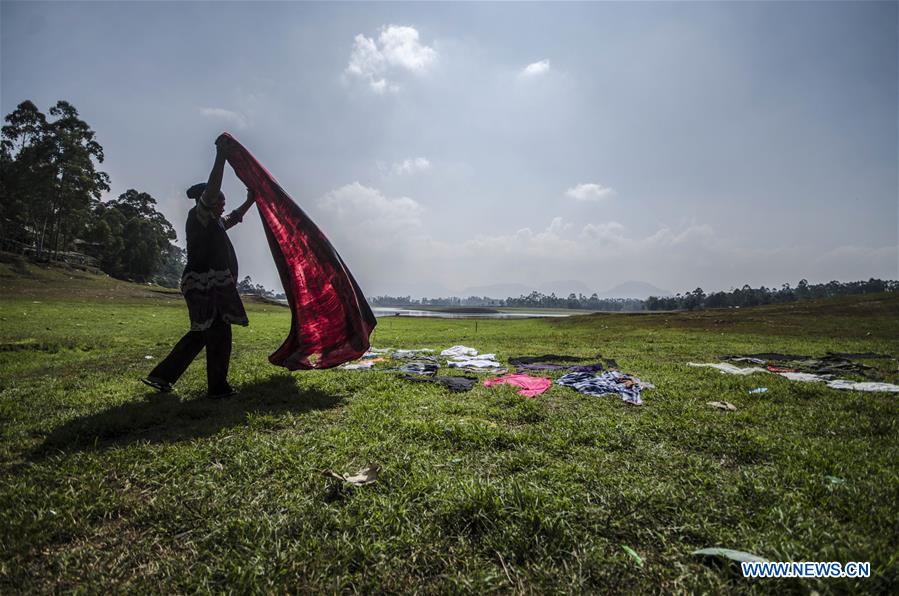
(453, 145)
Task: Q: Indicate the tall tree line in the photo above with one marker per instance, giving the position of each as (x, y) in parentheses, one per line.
(50, 190)
(695, 300)
(747, 296)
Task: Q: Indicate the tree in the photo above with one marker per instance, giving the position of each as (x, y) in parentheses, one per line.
(27, 173)
(147, 234)
(133, 240)
(50, 183)
(172, 267)
(694, 299)
(78, 184)
(106, 235)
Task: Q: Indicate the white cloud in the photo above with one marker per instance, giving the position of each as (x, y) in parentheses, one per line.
(365, 214)
(589, 192)
(397, 49)
(666, 237)
(400, 46)
(235, 118)
(366, 59)
(535, 69)
(411, 166)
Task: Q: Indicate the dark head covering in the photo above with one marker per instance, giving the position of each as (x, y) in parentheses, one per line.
(196, 191)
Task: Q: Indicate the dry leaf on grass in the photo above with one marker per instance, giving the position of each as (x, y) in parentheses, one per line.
(366, 475)
(722, 405)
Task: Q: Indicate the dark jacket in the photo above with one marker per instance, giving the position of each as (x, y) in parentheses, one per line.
(209, 282)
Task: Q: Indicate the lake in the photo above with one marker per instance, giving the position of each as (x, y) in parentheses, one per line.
(385, 311)
(390, 311)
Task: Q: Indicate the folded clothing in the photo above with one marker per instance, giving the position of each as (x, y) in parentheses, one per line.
(459, 351)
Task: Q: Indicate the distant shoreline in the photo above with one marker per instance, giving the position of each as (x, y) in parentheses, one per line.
(468, 310)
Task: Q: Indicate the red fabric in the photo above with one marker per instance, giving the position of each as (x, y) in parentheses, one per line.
(330, 318)
(777, 369)
(532, 386)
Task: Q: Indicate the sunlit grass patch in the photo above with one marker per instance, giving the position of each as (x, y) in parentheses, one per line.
(104, 483)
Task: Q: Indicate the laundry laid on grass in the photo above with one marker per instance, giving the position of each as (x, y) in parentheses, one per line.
(778, 369)
(364, 364)
(561, 362)
(730, 369)
(804, 377)
(571, 367)
(809, 369)
(410, 353)
(548, 358)
(478, 363)
(531, 386)
(832, 363)
(863, 386)
(419, 367)
(626, 386)
(479, 370)
(842, 383)
(491, 357)
(459, 351)
(486, 361)
(454, 384)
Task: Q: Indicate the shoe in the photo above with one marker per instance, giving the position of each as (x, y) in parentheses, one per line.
(227, 393)
(158, 384)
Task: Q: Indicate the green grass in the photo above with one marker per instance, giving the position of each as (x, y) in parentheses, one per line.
(107, 487)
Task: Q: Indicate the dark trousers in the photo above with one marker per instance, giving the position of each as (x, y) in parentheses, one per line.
(216, 340)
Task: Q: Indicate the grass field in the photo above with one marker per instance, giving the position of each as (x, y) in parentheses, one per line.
(106, 487)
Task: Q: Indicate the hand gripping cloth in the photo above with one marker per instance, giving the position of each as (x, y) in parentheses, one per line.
(330, 318)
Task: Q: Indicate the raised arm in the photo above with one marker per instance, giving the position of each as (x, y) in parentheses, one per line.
(214, 184)
(236, 216)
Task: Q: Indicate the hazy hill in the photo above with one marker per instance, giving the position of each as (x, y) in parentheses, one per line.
(635, 289)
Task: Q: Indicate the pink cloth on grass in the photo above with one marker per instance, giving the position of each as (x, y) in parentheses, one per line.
(532, 386)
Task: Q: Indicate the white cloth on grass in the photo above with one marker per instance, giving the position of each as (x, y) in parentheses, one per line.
(410, 353)
(474, 363)
(459, 351)
(478, 357)
(729, 369)
(806, 377)
(863, 386)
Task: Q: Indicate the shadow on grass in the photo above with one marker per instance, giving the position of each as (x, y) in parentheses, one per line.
(165, 418)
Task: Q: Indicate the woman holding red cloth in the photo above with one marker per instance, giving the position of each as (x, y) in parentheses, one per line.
(209, 285)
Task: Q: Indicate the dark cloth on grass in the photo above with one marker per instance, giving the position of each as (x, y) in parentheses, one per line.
(454, 384)
(572, 367)
(419, 367)
(546, 358)
(216, 338)
(560, 362)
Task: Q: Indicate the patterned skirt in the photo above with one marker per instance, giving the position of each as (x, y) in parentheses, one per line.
(211, 295)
